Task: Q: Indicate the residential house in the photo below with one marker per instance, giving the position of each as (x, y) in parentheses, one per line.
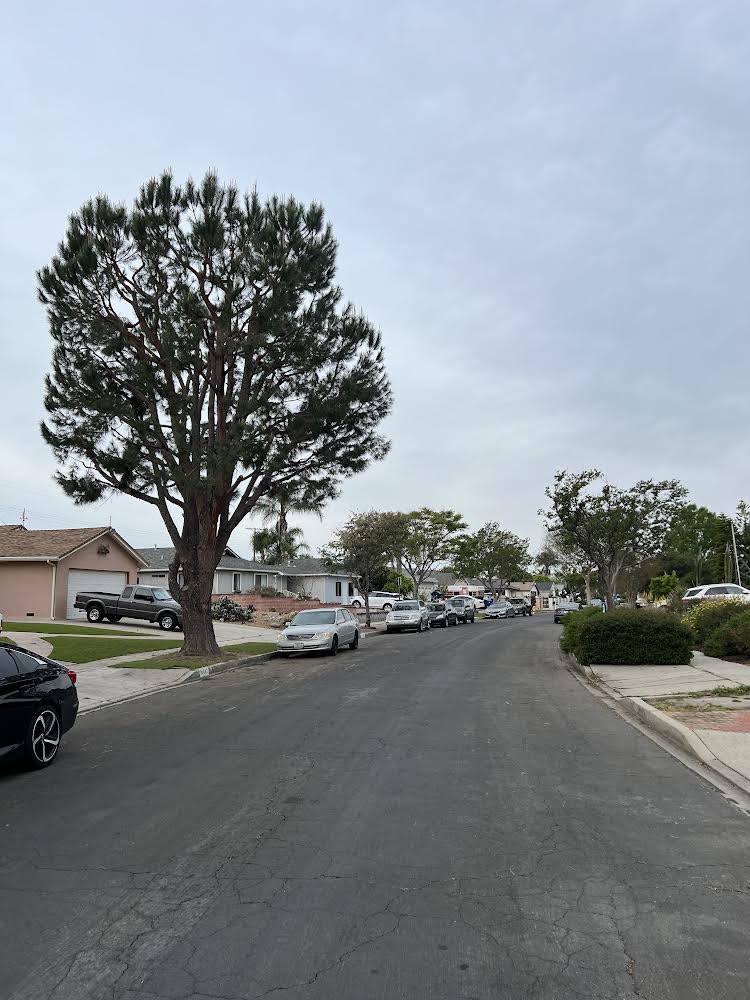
(548, 595)
(41, 571)
(235, 575)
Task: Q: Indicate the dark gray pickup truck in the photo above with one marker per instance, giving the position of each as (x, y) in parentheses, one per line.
(150, 604)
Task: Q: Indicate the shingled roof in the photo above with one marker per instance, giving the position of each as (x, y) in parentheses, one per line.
(17, 542)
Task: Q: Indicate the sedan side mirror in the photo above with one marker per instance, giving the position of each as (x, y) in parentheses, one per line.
(287, 624)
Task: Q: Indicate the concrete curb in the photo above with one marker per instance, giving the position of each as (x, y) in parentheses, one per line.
(201, 673)
(652, 718)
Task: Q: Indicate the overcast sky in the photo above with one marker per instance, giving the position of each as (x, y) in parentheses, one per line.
(542, 204)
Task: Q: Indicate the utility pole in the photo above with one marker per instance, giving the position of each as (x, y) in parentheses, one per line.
(734, 547)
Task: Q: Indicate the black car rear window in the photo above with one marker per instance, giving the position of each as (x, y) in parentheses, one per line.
(8, 666)
(27, 664)
(434, 606)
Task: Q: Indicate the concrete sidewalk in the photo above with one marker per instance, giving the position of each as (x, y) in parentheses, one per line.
(715, 729)
(101, 682)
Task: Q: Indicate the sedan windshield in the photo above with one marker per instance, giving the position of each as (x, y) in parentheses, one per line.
(314, 618)
(161, 595)
(406, 606)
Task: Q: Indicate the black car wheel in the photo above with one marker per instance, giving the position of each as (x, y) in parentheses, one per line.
(43, 737)
(334, 645)
(387, 607)
(168, 622)
(355, 641)
(419, 626)
(95, 613)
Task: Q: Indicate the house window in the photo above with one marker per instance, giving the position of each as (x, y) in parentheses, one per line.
(338, 588)
(545, 603)
(351, 589)
(236, 583)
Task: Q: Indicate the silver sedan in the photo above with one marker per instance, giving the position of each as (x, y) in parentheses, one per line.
(326, 629)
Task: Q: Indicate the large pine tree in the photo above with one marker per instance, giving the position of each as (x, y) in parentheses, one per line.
(204, 359)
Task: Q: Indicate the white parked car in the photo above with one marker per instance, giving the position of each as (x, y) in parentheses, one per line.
(478, 603)
(319, 629)
(379, 600)
(408, 616)
(717, 590)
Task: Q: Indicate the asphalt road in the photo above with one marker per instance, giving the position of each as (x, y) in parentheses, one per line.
(442, 816)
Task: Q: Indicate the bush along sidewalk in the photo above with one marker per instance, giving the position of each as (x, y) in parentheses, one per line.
(705, 618)
(732, 638)
(626, 637)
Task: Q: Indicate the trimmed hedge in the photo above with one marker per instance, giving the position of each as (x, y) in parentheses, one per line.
(632, 637)
(730, 639)
(704, 618)
(572, 625)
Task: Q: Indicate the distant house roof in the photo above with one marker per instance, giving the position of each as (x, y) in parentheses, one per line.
(160, 558)
(543, 588)
(444, 577)
(310, 566)
(521, 586)
(18, 543)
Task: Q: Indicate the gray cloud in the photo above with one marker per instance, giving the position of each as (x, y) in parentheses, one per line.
(544, 206)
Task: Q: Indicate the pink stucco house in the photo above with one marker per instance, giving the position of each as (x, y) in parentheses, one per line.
(40, 571)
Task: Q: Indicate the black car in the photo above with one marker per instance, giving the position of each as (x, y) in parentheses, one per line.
(38, 703)
(522, 606)
(565, 609)
(464, 608)
(441, 614)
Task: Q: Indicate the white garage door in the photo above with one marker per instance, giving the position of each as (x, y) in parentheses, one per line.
(91, 579)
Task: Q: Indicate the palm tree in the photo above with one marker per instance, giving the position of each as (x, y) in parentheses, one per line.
(277, 541)
(269, 548)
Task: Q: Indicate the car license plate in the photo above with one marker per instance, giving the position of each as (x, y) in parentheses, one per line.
(298, 645)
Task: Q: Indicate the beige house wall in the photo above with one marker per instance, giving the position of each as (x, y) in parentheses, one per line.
(25, 589)
(116, 560)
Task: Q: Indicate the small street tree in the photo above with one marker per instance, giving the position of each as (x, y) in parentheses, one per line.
(492, 555)
(204, 359)
(695, 533)
(614, 528)
(362, 547)
(422, 539)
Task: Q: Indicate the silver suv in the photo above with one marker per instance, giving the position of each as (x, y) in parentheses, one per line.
(464, 608)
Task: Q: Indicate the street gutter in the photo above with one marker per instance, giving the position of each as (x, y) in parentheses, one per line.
(674, 732)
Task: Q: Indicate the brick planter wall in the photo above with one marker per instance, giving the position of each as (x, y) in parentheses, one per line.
(270, 603)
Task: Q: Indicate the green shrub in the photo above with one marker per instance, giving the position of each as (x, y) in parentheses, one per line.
(227, 610)
(707, 616)
(732, 638)
(630, 636)
(572, 627)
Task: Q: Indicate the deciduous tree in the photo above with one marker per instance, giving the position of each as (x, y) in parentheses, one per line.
(362, 547)
(492, 555)
(204, 359)
(615, 528)
(422, 539)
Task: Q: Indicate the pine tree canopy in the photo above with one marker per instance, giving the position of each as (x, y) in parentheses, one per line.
(204, 356)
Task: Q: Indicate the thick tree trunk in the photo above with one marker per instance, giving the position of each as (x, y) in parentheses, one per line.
(199, 563)
(197, 624)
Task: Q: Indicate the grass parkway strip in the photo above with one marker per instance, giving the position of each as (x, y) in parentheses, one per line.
(71, 649)
(227, 654)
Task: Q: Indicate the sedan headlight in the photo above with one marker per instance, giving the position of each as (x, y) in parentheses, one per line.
(323, 635)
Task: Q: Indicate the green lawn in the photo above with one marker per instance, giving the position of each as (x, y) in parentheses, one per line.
(8, 642)
(62, 629)
(72, 649)
(194, 662)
